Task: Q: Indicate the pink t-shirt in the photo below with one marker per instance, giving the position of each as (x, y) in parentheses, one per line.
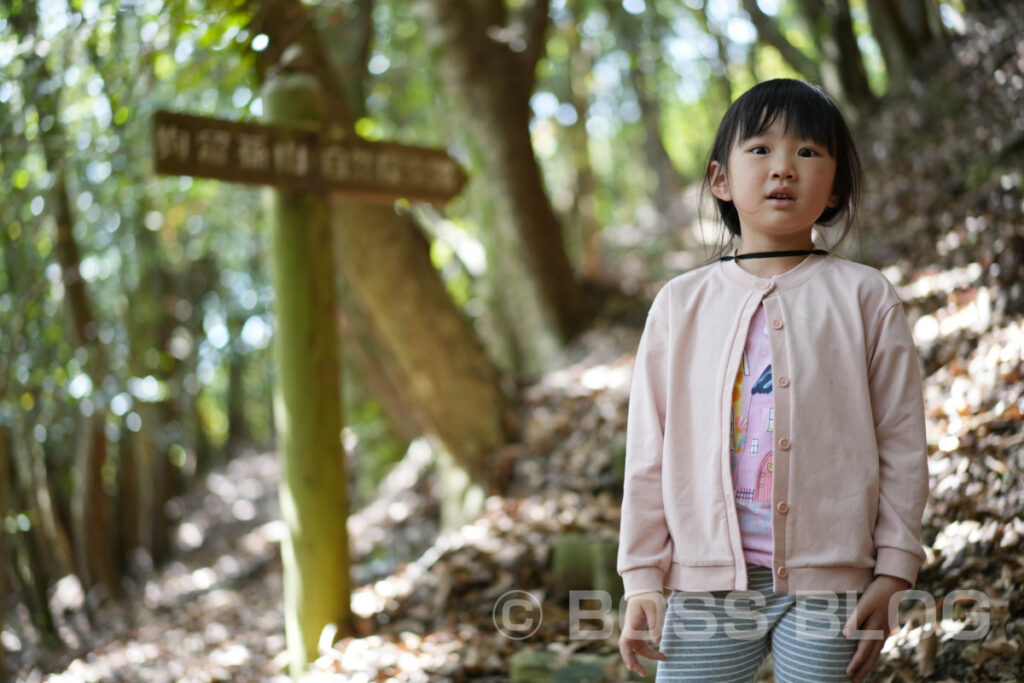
(753, 424)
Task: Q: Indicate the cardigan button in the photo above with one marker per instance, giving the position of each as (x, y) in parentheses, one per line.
(784, 444)
(777, 324)
(782, 507)
(764, 284)
(783, 381)
(782, 572)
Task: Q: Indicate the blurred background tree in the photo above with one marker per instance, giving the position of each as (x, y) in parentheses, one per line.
(135, 310)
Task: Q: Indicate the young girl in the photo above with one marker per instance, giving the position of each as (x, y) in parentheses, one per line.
(776, 467)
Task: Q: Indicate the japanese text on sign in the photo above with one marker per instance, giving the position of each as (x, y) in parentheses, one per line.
(301, 160)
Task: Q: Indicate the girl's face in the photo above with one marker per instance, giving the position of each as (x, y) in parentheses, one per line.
(780, 184)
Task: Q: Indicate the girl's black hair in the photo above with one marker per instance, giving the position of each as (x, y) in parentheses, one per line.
(812, 114)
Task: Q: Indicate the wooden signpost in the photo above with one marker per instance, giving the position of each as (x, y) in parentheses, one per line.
(305, 229)
(302, 160)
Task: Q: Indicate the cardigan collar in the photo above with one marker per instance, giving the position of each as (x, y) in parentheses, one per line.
(794, 277)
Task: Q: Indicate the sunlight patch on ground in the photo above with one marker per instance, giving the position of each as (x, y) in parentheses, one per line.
(577, 382)
(935, 283)
(969, 397)
(412, 655)
(104, 666)
(10, 641)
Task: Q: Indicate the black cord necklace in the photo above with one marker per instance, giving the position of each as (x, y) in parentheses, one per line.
(770, 254)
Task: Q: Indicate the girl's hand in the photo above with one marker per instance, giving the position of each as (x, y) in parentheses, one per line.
(871, 616)
(644, 615)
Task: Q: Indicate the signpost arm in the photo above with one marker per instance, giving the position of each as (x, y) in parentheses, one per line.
(307, 402)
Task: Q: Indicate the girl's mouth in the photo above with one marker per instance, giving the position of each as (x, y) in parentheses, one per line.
(781, 197)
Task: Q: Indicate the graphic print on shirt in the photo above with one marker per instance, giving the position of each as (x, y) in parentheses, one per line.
(763, 385)
(753, 427)
(764, 479)
(740, 425)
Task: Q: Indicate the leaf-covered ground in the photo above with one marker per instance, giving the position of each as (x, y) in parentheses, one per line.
(944, 215)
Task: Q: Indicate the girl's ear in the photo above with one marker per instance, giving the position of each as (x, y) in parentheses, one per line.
(719, 184)
(833, 201)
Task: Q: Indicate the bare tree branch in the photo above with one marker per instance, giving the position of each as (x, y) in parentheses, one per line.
(852, 74)
(362, 46)
(287, 22)
(495, 12)
(770, 33)
(535, 22)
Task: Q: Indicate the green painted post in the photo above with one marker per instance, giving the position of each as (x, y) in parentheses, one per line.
(307, 401)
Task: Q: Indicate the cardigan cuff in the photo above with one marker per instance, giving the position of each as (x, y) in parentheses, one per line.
(642, 580)
(898, 563)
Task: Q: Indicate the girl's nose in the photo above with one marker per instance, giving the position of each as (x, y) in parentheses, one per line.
(783, 169)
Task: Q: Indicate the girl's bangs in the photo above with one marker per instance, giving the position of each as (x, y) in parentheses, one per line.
(801, 110)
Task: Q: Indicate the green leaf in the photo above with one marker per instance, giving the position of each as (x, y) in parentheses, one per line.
(164, 66)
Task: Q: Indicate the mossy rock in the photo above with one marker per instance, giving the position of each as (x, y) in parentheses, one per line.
(619, 462)
(532, 666)
(543, 666)
(605, 552)
(580, 672)
(650, 665)
(572, 565)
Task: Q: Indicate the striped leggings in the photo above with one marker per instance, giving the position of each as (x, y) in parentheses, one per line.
(724, 637)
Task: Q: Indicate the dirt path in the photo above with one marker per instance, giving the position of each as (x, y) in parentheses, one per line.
(213, 614)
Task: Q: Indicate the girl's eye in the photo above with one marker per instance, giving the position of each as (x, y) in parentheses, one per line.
(759, 149)
(807, 152)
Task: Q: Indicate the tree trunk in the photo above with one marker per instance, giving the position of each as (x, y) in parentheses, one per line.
(983, 6)
(450, 384)
(351, 27)
(289, 22)
(489, 68)
(51, 545)
(453, 386)
(53, 533)
(140, 522)
(128, 510)
(721, 79)
(581, 63)
(668, 184)
(90, 507)
(642, 77)
(853, 76)
(314, 497)
(375, 365)
(150, 328)
(843, 69)
(146, 447)
(161, 483)
(36, 562)
(905, 30)
(238, 428)
(37, 82)
(768, 31)
(93, 528)
(752, 66)
(511, 319)
(89, 512)
(5, 477)
(192, 286)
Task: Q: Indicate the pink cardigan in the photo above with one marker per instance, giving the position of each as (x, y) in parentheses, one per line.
(850, 460)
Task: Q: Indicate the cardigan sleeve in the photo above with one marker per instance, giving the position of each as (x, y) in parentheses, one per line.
(898, 408)
(645, 550)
